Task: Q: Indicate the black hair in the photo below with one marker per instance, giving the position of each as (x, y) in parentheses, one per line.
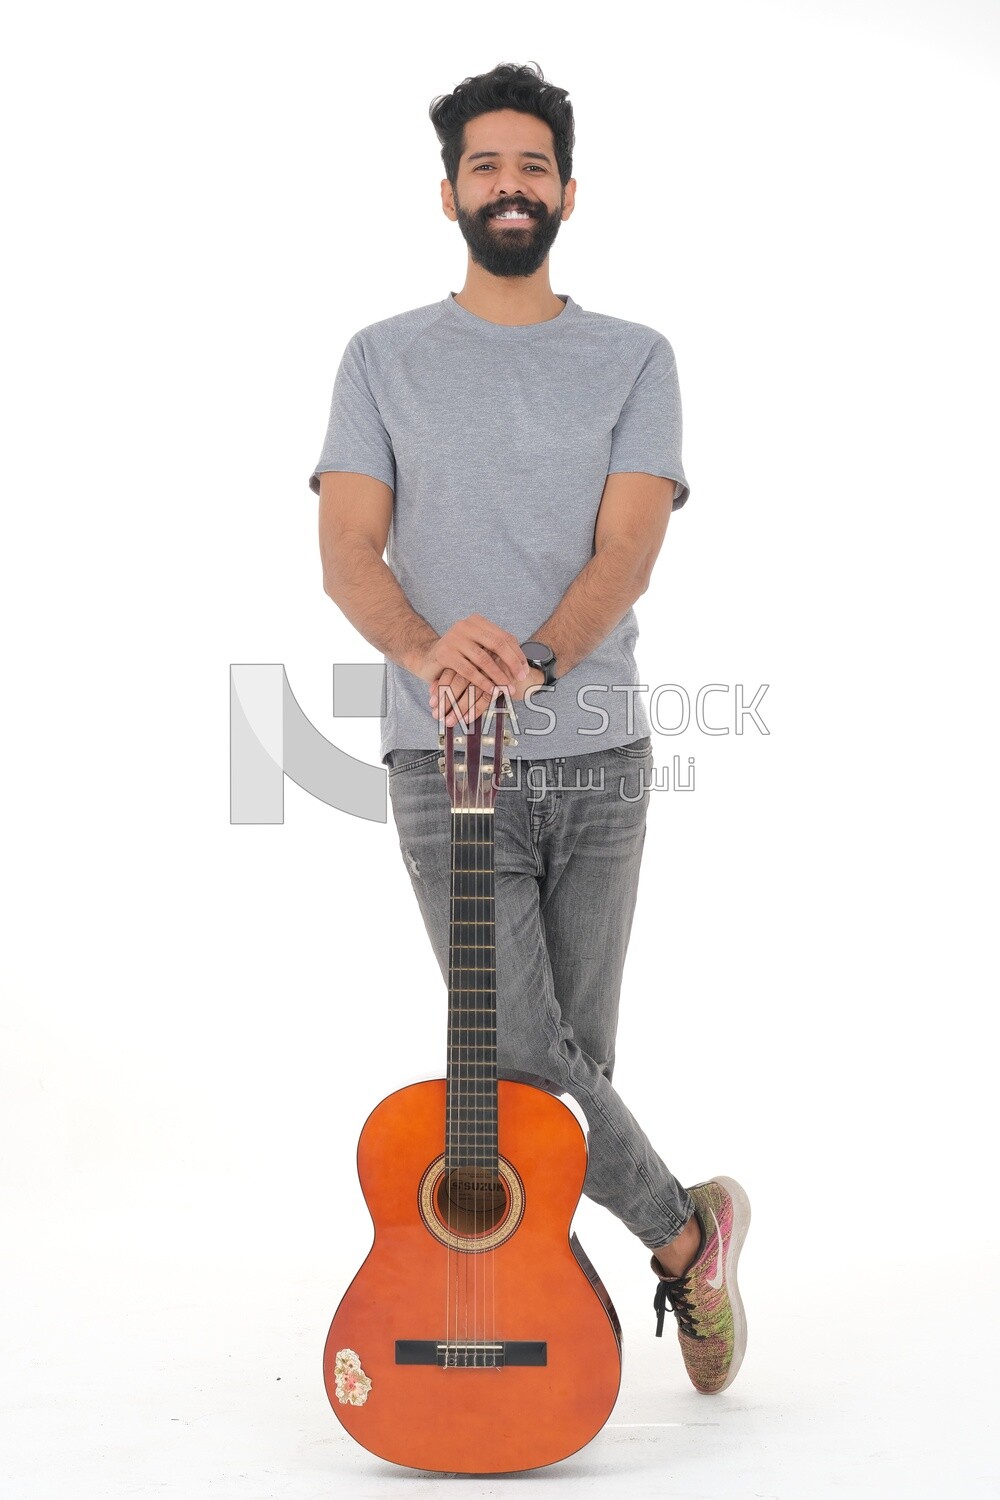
(508, 86)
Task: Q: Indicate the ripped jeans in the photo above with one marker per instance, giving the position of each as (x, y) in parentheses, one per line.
(568, 847)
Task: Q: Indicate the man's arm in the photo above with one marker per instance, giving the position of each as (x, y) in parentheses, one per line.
(631, 524)
(354, 515)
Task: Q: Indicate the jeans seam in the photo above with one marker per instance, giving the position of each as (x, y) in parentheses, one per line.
(413, 765)
(654, 1197)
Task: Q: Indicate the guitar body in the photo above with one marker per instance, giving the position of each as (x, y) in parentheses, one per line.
(498, 1284)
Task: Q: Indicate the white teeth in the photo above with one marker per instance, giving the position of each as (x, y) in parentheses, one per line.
(513, 213)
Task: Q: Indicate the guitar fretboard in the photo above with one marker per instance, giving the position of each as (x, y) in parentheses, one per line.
(471, 1117)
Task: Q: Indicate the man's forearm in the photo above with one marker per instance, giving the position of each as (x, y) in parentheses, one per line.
(364, 588)
(599, 596)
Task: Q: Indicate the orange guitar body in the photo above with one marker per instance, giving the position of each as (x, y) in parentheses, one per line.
(506, 1286)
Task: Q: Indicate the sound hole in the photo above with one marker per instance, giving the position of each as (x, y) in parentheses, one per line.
(472, 1200)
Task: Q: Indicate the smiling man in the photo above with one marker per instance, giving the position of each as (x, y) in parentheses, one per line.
(488, 220)
(516, 458)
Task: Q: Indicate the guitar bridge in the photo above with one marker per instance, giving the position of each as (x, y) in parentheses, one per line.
(470, 1354)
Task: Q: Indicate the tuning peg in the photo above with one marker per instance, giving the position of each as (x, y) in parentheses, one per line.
(441, 762)
(508, 738)
(505, 768)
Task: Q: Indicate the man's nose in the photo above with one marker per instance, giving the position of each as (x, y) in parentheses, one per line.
(509, 181)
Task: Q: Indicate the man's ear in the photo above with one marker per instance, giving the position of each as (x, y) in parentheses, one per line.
(569, 198)
(448, 200)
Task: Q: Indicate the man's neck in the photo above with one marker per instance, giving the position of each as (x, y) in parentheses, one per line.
(510, 300)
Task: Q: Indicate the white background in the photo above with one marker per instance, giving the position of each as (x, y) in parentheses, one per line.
(204, 203)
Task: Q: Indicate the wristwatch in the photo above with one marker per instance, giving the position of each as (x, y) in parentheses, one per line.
(541, 656)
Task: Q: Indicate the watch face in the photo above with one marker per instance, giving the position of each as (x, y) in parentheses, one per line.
(538, 652)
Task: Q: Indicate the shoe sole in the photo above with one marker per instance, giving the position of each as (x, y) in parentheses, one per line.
(741, 1223)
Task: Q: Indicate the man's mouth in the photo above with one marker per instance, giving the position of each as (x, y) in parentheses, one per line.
(513, 216)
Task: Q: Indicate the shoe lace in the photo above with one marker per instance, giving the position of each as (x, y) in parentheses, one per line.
(677, 1296)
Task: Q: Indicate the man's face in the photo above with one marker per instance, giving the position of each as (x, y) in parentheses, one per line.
(508, 199)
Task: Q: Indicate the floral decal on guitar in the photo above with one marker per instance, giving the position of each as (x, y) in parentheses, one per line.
(352, 1383)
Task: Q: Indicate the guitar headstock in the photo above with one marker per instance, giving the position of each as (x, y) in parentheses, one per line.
(473, 763)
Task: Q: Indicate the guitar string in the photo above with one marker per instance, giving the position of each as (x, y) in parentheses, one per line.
(473, 1071)
(471, 1271)
(490, 860)
(480, 861)
(476, 1090)
(484, 850)
(473, 1090)
(471, 757)
(449, 1122)
(469, 905)
(492, 981)
(454, 1089)
(468, 1134)
(482, 856)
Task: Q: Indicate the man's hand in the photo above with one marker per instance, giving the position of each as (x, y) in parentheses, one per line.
(477, 652)
(459, 687)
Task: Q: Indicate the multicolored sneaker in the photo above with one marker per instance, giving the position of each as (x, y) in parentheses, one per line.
(711, 1323)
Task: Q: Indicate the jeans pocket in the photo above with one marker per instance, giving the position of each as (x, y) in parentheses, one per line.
(637, 750)
(400, 761)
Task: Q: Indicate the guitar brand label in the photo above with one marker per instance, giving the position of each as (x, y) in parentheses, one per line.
(352, 1384)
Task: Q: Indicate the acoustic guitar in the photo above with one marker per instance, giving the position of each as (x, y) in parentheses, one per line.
(476, 1337)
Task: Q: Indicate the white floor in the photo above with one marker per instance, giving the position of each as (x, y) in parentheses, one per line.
(150, 1355)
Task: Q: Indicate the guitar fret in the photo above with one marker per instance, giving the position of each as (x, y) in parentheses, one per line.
(471, 1097)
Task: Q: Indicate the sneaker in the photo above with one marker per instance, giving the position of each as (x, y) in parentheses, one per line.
(711, 1323)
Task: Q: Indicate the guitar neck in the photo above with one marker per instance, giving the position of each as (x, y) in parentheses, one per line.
(471, 1118)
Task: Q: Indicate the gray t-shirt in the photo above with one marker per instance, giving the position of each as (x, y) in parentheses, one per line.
(497, 443)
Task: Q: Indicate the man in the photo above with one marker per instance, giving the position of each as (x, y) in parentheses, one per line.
(521, 458)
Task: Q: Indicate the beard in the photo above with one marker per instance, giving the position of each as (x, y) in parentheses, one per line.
(510, 252)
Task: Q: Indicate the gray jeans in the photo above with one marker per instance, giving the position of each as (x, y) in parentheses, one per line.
(568, 848)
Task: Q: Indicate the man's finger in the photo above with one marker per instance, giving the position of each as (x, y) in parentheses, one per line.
(501, 643)
(479, 650)
(478, 667)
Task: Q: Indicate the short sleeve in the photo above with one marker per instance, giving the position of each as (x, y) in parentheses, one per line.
(647, 436)
(356, 438)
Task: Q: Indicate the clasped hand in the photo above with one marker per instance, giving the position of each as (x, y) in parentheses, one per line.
(475, 654)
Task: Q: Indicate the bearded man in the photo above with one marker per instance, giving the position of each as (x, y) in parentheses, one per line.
(517, 458)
